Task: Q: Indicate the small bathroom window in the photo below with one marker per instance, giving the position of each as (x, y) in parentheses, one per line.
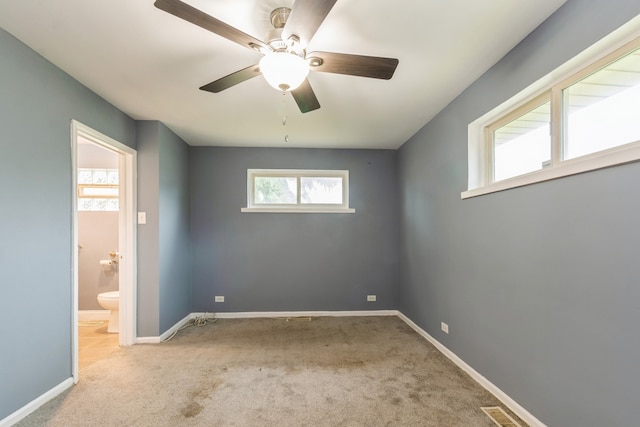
(98, 190)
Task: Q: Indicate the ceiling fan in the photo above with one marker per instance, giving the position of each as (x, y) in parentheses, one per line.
(285, 64)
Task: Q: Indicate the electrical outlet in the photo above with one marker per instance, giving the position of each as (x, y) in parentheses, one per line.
(219, 298)
(444, 327)
(371, 298)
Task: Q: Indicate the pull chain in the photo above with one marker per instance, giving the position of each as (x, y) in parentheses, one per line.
(284, 118)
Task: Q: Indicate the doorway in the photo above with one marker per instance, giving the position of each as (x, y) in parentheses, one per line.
(117, 268)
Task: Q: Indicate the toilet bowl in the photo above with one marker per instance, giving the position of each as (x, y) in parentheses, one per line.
(109, 301)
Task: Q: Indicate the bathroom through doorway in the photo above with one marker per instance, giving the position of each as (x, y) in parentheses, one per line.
(104, 262)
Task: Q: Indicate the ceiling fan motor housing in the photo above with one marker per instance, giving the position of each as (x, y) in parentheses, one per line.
(278, 19)
(274, 39)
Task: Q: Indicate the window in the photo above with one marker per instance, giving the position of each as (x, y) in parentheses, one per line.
(584, 116)
(285, 190)
(602, 109)
(523, 143)
(98, 190)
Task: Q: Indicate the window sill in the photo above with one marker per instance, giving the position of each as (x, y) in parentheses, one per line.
(299, 210)
(615, 156)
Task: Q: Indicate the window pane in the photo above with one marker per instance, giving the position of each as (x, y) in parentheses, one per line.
(319, 190)
(99, 205)
(113, 205)
(523, 145)
(85, 204)
(272, 190)
(112, 176)
(85, 176)
(603, 109)
(99, 176)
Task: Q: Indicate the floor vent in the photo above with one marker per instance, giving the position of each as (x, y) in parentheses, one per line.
(500, 417)
(292, 319)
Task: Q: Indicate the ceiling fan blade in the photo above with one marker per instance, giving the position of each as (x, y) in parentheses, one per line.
(305, 97)
(353, 65)
(305, 18)
(208, 22)
(232, 79)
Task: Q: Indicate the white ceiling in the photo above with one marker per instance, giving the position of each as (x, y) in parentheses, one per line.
(150, 64)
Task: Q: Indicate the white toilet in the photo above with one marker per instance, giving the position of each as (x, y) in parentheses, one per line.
(109, 301)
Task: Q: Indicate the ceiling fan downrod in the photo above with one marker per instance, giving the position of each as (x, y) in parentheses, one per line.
(278, 18)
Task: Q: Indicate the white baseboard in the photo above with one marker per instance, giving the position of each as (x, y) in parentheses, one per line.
(93, 315)
(167, 334)
(279, 314)
(521, 412)
(148, 340)
(262, 314)
(36, 403)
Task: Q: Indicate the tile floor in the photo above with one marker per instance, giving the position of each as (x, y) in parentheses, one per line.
(94, 343)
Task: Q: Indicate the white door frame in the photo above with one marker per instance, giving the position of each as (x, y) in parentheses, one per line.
(126, 229)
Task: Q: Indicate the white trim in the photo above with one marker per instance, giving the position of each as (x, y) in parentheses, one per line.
(93, 315)
(148, 340)
(521, 412)
(478, 177)
(280, 314)
(299, 210)
(263, 314)
(127, 235)
(74, 252)
(27, 409)
(603, 159)
(168, 332)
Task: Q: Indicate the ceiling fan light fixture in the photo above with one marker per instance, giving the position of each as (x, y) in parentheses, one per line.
(283, 70)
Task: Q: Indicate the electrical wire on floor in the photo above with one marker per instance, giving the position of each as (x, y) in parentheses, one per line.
(198, 322)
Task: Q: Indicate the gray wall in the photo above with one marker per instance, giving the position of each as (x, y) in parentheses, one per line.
(148, 234)
(175, 245)
(37, 103)
(268, 262)
(539, 285)
(164, 256)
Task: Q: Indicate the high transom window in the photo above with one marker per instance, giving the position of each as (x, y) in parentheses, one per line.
(588, 119)
(286, 190)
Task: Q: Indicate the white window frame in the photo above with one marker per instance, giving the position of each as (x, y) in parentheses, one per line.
(480, 142)
(531, 105)
(298, 207)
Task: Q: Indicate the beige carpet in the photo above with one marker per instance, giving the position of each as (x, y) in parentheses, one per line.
(344, 371)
